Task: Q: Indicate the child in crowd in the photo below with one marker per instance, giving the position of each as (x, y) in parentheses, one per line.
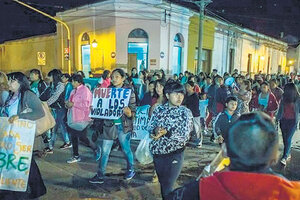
(203, 103)
(225, 119)
(170, 127)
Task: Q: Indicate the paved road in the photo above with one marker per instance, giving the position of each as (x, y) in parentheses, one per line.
(70, 181)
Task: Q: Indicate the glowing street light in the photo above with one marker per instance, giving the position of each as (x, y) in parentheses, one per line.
(94, 43)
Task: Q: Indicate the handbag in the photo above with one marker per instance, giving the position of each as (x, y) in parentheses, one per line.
(110, 131)
(78, 126)
(45, 123)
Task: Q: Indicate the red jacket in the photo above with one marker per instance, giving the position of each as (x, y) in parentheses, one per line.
(272, 104)
(247, 186)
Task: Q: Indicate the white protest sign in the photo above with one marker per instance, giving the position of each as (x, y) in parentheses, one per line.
(141, 122)
(108, 103)
(16, 144)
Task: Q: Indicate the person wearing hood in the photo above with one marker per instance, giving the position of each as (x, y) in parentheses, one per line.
(250, 176)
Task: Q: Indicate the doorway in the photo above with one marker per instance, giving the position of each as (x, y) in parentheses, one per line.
(231, 60)
(249, 64)
(177, 54)
(137, 55)
(138, 47)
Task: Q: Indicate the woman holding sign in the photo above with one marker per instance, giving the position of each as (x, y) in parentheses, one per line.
(170, 127)
(120, 128)
(21, 98)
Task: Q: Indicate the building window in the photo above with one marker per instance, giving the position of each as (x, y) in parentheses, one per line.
(85, 37)
(138, 33)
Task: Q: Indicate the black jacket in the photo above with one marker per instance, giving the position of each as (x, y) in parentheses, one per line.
(222, 123)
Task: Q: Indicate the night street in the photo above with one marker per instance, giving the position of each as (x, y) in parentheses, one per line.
(70, 181)
(150, 99)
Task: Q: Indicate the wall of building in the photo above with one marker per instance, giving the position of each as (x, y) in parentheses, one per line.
(124, 26)
(220, 51)
(21, 55)
(267, 54)
(208, 39)
(179, 24)
(293, 59)
(100, 26)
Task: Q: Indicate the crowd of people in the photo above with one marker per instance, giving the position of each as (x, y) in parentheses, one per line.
(183, 107)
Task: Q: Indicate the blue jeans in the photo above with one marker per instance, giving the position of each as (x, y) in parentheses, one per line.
(60, 115)
(288, 128)
(168, 168)
(124, 139)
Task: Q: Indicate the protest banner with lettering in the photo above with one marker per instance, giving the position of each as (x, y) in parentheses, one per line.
(16, 144)
(141, 122)
(108, 103)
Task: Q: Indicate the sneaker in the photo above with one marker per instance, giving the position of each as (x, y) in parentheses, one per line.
(48, 150)
(98, 154)
(97, 179)
(283, 161)
(155, 178)
(74, 159)
(66, 146)
(129, 175)
(199, 145)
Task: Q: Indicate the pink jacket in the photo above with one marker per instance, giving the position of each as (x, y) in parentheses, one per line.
(105, 83)
(82, 99)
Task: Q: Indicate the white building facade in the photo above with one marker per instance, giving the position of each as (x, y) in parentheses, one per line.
(246, 50)
(135, 33)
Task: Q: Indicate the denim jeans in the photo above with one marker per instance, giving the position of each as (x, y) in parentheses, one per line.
(168, 168)
(60, 115)
(288, 128)
(124, 139)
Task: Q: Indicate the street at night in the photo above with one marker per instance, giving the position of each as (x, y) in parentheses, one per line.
(149, 99)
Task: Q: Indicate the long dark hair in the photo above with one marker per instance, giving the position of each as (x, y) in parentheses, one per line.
(105, 74)
(161, 82)
(38, 72)
(56, 75)
(23, 81)
(291, 94)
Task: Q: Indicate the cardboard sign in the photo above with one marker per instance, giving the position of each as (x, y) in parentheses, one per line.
(108, 103)
(16, 144)
(141, 122)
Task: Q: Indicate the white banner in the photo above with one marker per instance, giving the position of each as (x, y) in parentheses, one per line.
(16, 144)
(108, 103)
(141, 122)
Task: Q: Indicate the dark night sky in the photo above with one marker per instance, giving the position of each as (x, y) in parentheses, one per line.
(266, 16)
